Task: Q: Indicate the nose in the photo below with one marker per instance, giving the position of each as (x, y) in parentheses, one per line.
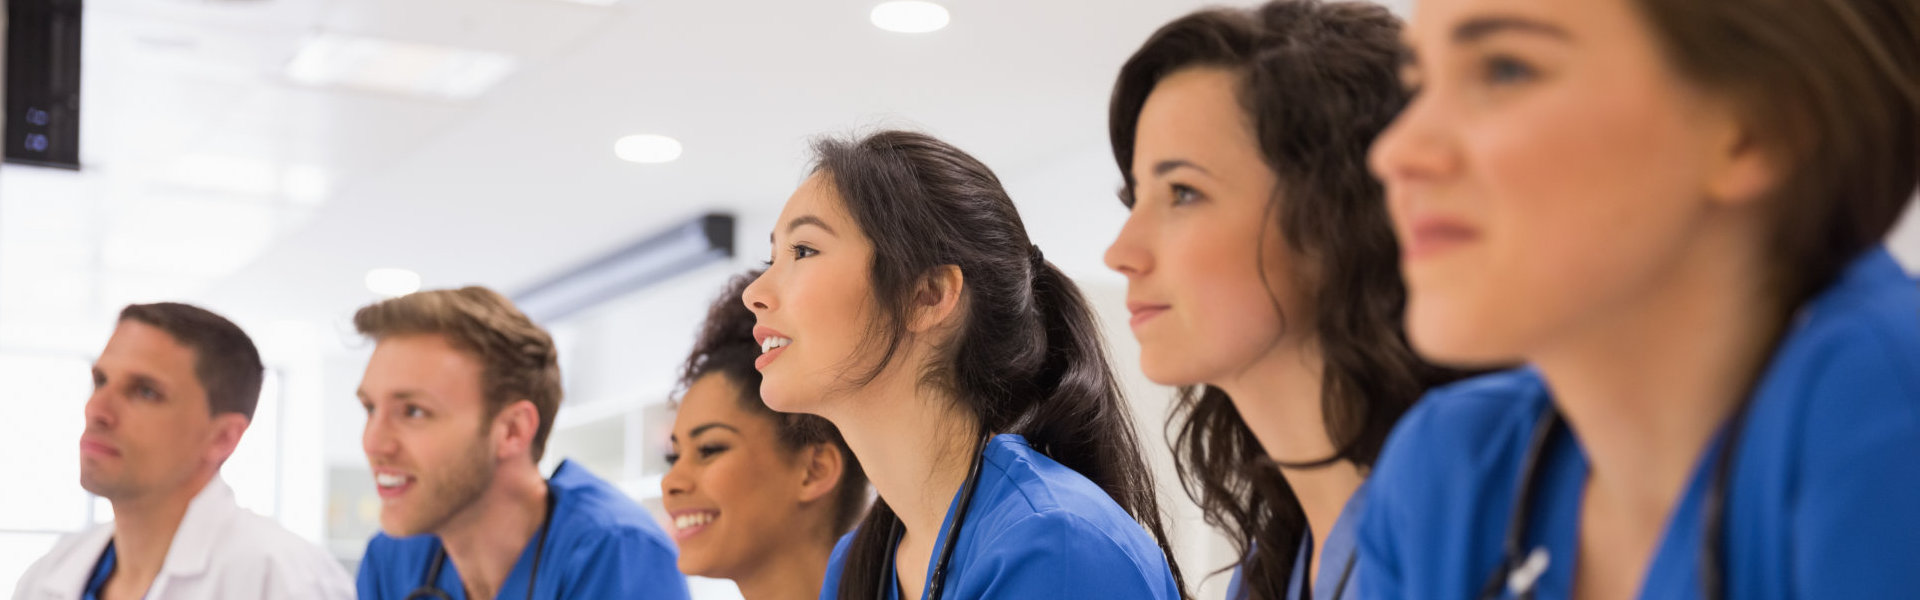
(759, 296)
(377, 438)
(1129, 254)
(678, 480)
(101, 414)
(1416, 148)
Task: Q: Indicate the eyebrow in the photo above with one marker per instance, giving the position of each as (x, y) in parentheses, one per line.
(808, 220)
(1168, 166)
(703, 429)
(402, 395)
(1480, 28)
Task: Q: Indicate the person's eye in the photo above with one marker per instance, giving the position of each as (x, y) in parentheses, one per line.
(803, 251)
(414, 412)
(146, 392)
(710, 450)
(672, 458)
(1503, 70)
(1184, 194)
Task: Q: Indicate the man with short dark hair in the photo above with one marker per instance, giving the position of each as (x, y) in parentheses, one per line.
(172, 393)
(460, 394)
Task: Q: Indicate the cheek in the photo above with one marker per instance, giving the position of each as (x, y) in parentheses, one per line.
(747, 490)
(1563, 230)
(1225, 314)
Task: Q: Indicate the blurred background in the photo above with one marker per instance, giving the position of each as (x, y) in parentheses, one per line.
(609, 163)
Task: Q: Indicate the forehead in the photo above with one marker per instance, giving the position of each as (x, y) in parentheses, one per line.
(148, 349)
(1194, 112)
(422, 362)
(815, 197)
(1436, 22)
(712, 397)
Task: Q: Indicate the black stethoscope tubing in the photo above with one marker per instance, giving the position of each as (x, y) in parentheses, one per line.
(937, 582)
(431, 590)
(1712, 581)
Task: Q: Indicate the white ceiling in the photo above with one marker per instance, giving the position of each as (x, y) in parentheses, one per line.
(523, 182)
(209, 176)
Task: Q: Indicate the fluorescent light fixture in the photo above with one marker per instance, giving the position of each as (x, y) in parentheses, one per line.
(647, 148)
(389, 282)
(331, 59)
(910, 16)
(651, 260)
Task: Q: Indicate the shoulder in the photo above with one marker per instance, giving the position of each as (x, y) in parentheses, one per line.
(255, 535)
(592, 515)
(1042, 515)
(386, 549)
(836, 565)
(1464, 426)
(66, 566)
(1060, 553)
(1859, 340)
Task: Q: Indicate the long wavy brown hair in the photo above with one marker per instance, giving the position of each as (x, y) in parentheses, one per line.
(1318, 82)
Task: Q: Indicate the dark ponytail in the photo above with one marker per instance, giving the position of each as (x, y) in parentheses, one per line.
(1028, 358)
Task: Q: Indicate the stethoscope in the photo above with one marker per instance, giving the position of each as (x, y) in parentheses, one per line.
(1520, 569)
(431, 591)
(937, 582)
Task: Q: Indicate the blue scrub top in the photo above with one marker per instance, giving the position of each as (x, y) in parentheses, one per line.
(1342, 547)
(1036, 529)
(602, 545)
(1824, 496)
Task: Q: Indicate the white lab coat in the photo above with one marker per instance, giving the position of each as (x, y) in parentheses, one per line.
(221, 551)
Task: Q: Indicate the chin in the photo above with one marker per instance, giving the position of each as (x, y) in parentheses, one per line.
(786, 398)
(1455, 341)
(1163, 370)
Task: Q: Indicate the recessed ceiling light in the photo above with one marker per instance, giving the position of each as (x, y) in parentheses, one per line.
(392, 282)
(910, 16)
(647, 148)
(378, 65)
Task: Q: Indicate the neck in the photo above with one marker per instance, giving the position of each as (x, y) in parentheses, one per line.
(788, 575)
(143, 528)
(1646, 385)
(486, 538)
(915, 444)
(1279, 398)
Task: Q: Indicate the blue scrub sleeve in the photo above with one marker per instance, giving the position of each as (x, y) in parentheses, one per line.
(1057, 554)
(1857, 533)
(836, 564)
(624, 564)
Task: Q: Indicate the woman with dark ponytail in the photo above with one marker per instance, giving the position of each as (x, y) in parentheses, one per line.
(905, 304)
(1263, 275)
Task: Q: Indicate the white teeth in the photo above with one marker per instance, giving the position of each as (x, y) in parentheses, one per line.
(387, 480)
(693, 520)
(773, 342)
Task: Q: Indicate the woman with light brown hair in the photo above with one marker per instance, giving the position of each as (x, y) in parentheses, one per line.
(1672, 211)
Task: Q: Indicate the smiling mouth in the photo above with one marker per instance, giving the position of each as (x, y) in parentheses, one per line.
(770, 349)
(691, 524)
(393, 485)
